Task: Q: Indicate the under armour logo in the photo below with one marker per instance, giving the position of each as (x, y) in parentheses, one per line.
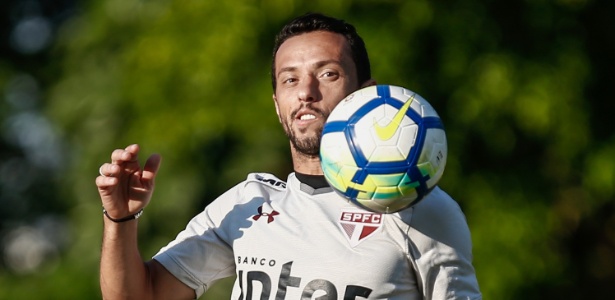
(268, 215)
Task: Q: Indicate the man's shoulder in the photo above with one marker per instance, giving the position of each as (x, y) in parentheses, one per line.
(437, 202)
(438, 206)
(267, 180)
(439, 217)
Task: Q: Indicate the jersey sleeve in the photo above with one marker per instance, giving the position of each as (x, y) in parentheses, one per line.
(200, 254)
(441, 246)
(203, 252)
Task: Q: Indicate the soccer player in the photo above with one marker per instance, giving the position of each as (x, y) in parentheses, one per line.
(292, 239)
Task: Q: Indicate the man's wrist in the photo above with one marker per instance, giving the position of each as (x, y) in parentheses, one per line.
(124, 219)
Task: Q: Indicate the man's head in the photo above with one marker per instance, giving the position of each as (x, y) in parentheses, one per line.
(317, 22)
(317, 62)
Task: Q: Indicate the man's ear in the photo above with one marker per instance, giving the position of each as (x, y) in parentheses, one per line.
(369, 82)
(277, 109)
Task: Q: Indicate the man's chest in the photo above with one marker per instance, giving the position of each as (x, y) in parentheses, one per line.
(344, 254)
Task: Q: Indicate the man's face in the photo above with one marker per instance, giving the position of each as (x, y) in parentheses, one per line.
(313, 72)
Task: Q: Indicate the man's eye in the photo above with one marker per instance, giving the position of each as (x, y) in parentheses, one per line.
(329, 74)
(289, 80)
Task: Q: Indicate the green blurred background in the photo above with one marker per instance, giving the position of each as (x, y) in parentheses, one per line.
(525, 89)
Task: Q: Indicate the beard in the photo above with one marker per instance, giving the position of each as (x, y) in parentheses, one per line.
(309, 145)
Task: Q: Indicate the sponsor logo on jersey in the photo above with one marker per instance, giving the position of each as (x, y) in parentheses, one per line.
(272, 213)
(261, 284)
(358, 225)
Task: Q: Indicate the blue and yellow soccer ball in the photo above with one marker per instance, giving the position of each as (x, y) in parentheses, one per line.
(383, 148)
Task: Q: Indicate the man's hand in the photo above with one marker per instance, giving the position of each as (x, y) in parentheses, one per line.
(123, 186)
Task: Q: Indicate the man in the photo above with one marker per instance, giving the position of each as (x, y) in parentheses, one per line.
(294, 239)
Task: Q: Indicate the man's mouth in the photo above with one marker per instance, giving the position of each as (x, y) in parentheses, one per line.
(307, 117)
(307, 113)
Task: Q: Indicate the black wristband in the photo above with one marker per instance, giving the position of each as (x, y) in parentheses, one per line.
(131, 217)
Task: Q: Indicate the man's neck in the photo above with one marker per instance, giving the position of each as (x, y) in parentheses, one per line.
(314, 181)
(306, 164)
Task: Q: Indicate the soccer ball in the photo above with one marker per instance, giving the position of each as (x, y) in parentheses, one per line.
(383, 148)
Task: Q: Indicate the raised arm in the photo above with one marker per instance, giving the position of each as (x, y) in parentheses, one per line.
(125, 189)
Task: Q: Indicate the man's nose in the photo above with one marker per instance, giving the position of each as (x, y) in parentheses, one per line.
(308, 90)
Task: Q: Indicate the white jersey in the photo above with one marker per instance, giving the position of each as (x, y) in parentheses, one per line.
(290, 241)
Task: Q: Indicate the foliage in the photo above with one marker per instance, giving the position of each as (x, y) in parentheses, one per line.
(522, 88)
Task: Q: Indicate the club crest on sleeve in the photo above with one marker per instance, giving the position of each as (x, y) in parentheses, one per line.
(358, 225)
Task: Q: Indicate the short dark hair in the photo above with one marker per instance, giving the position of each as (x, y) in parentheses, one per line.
(318, 22)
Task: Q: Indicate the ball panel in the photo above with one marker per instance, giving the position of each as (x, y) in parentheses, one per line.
(408, 134)
(387, 153)
(407, 185)
(336, 160)
(433, 156)
(384, 206)
(334, 151)
(338, 180)
(351, 104)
